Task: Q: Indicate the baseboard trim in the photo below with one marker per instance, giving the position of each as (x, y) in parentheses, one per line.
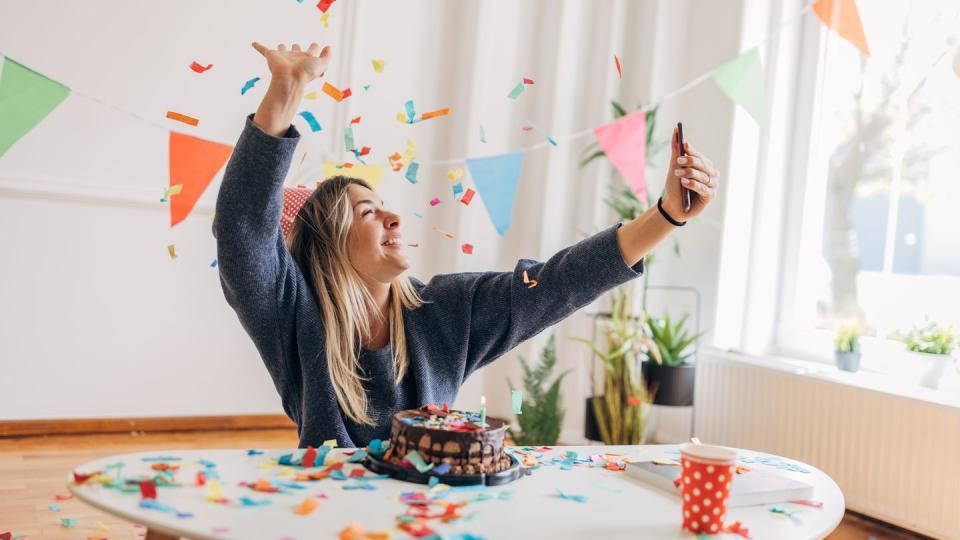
(86, 426)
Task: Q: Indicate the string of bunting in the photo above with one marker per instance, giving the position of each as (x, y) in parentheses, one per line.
(27, 97)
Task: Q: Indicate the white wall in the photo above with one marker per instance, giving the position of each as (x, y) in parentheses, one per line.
(97, 321)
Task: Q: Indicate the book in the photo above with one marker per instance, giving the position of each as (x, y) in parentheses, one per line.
(750, 488)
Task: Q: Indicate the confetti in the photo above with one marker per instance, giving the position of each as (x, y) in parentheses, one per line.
(306, 507)
(454, 174)
(355, 532)
(530, 125)
(330, 443)
(172, 250)
(54, 507)
(577, 498)
(325, 20)
(334, 92)
(416, 459)
(616, 61)
(310, 119)
(198, 68)
(467, 248)
(434, 201)
(68, 523)
(248, 85)
(412, 172)
(531, 283)
(189, 120)
(213, 264)
(435, 114)
(312, 95)
(378, 65)
(468, 196)
(445, 233)
(483, 135)
(148, 490)
(324, 5)
(517, 90)
(62, 497)
(516, 396)
(457, 190)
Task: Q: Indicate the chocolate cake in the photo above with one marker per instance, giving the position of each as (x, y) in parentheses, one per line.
(455, 438)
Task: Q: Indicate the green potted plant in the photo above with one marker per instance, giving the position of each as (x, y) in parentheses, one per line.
(543, 411)
(617, 414)
(846, 345)
(667, 372)
(931, 344)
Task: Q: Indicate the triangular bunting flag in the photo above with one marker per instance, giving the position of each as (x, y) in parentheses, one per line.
(741, 79)
(26, 98)
(625, 144)
(371, 174)
(842, 16)
(193, 163)
(496, 179)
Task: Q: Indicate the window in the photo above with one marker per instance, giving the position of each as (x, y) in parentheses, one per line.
(879, 236)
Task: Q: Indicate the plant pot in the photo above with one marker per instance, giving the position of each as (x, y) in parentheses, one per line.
(847, 361)
(590, 429)
(672, 385)
(931, 368)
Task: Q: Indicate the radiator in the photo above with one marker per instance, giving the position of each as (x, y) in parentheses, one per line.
(895, 458)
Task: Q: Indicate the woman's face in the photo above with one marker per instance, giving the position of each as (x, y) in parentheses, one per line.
(375, 248)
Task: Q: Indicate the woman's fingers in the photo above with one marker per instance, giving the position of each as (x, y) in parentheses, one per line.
(296, 47)
(325, 52)
(313, 49)
(708, 164)
(700, 188)
(282, 48)
(260, 48)
(694, 174)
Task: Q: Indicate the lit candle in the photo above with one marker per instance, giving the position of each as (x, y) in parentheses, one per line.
(483, 411)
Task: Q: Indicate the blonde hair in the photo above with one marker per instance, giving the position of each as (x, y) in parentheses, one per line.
(318, 242)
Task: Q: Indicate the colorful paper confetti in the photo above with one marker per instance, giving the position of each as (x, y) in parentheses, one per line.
(189, 120)
(248, 85)
(199, 68)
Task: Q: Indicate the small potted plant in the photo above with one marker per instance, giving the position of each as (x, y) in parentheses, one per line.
(932, 344)
(847, 348)
(543, 410)
(667, 373)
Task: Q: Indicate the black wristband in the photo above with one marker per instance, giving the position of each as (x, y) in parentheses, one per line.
(666, 216)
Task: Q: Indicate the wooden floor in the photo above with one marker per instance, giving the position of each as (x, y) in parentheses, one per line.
(32, 473)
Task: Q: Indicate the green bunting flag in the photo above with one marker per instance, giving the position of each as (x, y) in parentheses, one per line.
(741, 79)
(26, 98)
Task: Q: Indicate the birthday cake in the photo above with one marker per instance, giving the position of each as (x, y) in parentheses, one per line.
(447, 441)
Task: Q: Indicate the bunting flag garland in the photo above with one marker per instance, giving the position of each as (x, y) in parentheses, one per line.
(26, 98)
(496, 180)
(843, 17)
(625, 143)
(741, 79)
(193, 164)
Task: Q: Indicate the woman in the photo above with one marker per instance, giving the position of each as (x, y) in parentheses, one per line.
(347, 338)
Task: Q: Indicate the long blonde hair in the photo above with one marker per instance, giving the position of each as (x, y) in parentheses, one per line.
(318, 242)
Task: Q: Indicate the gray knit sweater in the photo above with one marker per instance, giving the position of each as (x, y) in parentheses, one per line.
(470, 320)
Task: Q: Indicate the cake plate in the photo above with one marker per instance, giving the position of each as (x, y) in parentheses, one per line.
(514, 472)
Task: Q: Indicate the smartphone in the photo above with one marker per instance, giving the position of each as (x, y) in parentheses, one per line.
(687, 194)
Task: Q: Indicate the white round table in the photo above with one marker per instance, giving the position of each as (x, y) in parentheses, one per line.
(616, 505)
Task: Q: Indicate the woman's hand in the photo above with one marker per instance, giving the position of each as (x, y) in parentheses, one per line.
(295, 65)
(693, 171)
(290, 72)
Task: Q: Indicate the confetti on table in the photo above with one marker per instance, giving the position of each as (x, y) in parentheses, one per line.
(334, 92)
(468, 196)
(148, 490)
(808, 502)
(214, 491)
(248, 85)
(467, 248)
(306, 507)
(324, 5)
(68, 523)
(312, 120)
(577, 498)
(312, 95)
(198, 68)
(355, 532)
(330, 443)
(434, 201)
(531, 283)
(516, 396)
(411, 174)
(378, 65)
(172, 250)
(189, 120)
(616, 61)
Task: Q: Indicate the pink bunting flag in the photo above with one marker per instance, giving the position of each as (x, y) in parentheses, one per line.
(625, 143)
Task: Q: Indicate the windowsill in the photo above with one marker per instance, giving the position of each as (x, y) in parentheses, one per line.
(948, 395)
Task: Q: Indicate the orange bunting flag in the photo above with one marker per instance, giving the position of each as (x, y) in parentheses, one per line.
(843, 17)
(334, 92)
(193, 164)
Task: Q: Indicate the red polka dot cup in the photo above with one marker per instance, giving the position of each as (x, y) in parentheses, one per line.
(705, 486)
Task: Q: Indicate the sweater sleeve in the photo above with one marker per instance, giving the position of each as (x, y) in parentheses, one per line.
(257, 272)
(503, 311)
